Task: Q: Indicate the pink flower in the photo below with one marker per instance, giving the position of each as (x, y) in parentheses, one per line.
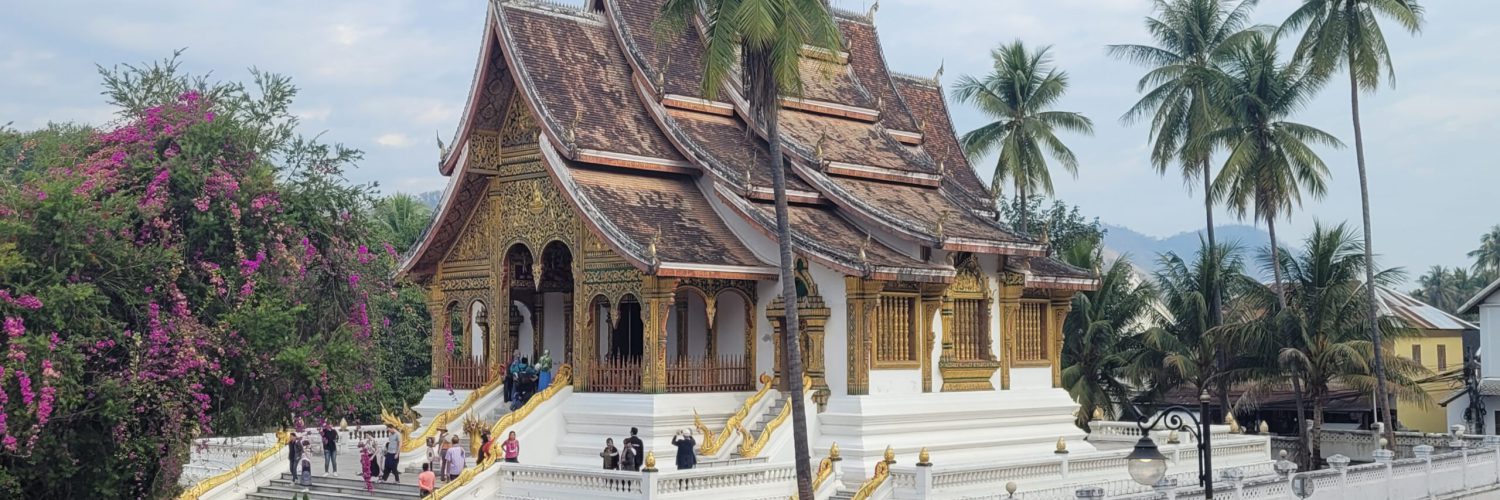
(353, 280)
(14, 326)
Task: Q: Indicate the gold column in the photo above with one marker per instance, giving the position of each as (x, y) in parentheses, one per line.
(1010, 321)
(568, 330)
(932, 301)
(1059, 308)
(586, 333)
(948, 314)
(439, 317)
(500, 314)
(656, 301)
(863, 300)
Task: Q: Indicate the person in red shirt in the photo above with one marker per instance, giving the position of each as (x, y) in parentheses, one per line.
(426, 481)
(511, 448)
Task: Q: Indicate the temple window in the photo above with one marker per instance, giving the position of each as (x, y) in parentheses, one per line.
(1031, 337)
(970, 327)
(896, 331)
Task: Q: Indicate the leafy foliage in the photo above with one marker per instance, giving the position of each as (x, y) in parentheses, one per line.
(195, 269)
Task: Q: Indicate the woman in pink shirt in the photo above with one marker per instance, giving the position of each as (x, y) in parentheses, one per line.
(511, 448)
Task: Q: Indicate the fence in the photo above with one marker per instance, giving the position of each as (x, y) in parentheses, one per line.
(719, 374)
(466, 373)
(620, 374)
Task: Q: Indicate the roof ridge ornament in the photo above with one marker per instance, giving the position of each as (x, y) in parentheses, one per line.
(942, 218)
(651, 249)
(443, 150)
(938, 76)
(870, 14)
(823, 163)
(572, 132)
(661, 77)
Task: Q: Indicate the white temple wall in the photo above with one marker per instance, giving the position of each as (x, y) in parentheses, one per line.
(1030, 378)
(757, 242)
(526, 342)
(1489, 334)
(835, 332)
(697, 324)
(602, 313)
(936, 354)
(765, 351)
(729, 324)
(554, 336)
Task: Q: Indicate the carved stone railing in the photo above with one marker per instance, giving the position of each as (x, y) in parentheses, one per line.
(752, 447)
(410, 444)
(205, 488)
(714, 442)
(876, 486)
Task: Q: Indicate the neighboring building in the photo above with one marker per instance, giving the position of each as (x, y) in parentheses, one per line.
(1439, 347)
(1478, 404)
(600, 208)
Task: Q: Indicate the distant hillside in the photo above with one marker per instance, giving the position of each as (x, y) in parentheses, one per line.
(1144, 249)
(430, 198)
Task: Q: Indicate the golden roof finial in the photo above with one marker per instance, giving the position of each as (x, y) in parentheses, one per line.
(942, 168)
(661, 77)
(1062, 445)
(890, 455)
(923, 458)
(833, 451)
(651, 246)
(942, 218)
(573, 127)
(443, 150)
(818, 146)
(1046, 233)
(864, 257)
(870, 14)
(938, 76)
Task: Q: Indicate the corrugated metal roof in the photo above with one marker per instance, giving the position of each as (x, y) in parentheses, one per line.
(1418, 314)
(1470, 306)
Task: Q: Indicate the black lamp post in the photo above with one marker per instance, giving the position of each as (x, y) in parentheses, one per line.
(1147, 465)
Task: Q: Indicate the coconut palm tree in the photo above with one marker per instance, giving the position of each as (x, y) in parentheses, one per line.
(1443, 288)
(1184, 349)
(1192, 38)
(1100, 329)
(401, 218)
(760, 41)
(1270, 159)
(1347, 33)
(1319, 336)
(1487, 256)
(1019, 95)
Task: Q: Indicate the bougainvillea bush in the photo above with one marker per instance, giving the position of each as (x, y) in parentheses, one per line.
(195, 268)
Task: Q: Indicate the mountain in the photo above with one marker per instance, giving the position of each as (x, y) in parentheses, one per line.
(1144, 249)
(430, 198)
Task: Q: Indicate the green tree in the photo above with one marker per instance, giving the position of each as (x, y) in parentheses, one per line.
(1185, 348)
(1443, 288)
(1192, 39)
(1347, 33)
(1319, 337)
(1100, 331)
(1487, 256)
(400, 219)
(1019, 95)
(763, 39)
(1061, 224)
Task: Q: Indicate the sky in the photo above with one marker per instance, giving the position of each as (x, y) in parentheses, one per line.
(388, 76)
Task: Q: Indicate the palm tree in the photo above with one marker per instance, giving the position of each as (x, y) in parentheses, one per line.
(1271, 160)
(1193, 37)
(1487, 256)
(1019, 95)
(1319, 337)
(1348, 32)
(1185, 349)
(1443, 288)
(400, 219)
(1100, 329)
(763, 39)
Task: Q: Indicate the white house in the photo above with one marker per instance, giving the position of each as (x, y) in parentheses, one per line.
(1485, 415)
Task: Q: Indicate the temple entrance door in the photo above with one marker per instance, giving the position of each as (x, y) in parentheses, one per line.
(553, 311)
(627, 337)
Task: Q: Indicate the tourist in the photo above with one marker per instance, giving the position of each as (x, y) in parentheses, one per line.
(434, 455)
(544, 370)
(305, 464)
(484, 446)
(370, 455)
(511, 448)
(610, 454)
(453, 460)
(294, 452)
(392, 456)
(510, 377)
(635, 450)
(443, 439)
(686, 457)
(426, 481)
(330, 450)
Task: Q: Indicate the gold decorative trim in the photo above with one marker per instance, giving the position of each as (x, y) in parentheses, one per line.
(564, 378)
(712, 441)
(749, 449)
(409, 444)
(882, 471)
(967, 375)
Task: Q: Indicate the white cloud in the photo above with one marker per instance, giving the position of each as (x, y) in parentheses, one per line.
(393, 140)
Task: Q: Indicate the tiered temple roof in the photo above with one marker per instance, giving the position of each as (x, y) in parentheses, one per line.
(660, 174)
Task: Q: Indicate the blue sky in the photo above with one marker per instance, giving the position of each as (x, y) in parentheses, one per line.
(386, 76)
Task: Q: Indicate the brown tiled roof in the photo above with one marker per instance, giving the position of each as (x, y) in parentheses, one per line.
(850, 141)
(832, 82)
(923, 207)
(868, 62)
(725, 139)
(821, 231)
(681, 54)
(574, 69)
(642, 203)
(939, 139)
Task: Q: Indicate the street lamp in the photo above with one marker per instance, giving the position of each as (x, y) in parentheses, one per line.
(1147, 465)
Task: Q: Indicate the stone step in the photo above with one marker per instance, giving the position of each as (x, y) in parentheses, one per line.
(314, 493)
(408, 487)
(381, 490)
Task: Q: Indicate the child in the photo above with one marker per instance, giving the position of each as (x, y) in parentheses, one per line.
(426, 481)
(305, 465)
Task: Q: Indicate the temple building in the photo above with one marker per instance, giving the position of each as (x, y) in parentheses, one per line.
(600, 209)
